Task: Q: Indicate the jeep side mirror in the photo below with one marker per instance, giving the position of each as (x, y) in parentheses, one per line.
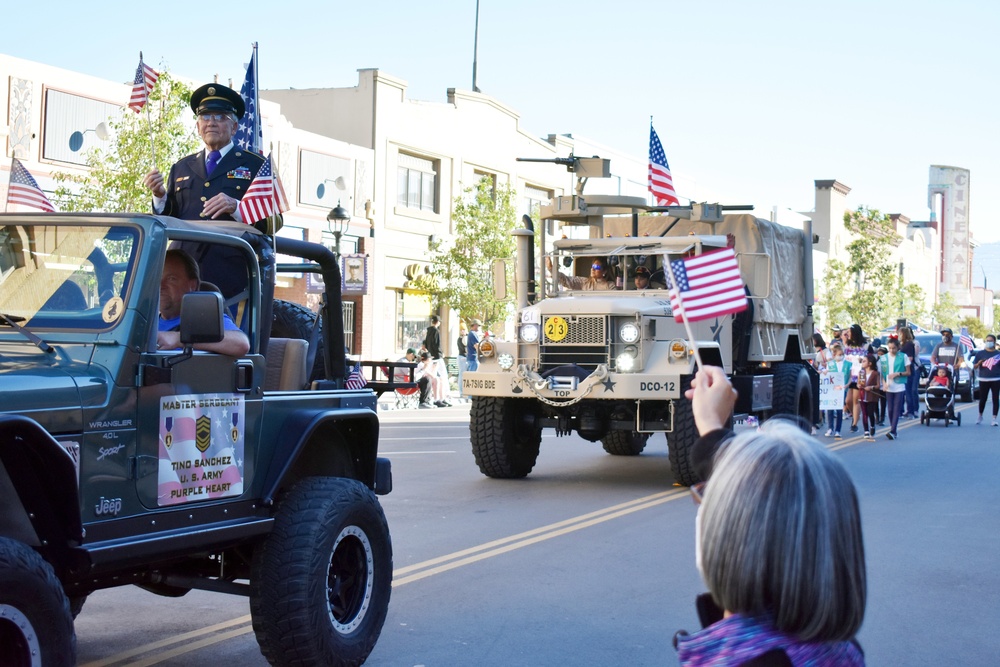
(201, 318)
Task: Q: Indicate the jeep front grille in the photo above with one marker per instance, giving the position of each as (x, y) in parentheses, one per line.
(585, 356)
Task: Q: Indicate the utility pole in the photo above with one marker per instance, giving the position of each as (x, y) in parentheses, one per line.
(475, 51)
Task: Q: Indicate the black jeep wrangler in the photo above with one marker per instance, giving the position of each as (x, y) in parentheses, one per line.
(176, 469)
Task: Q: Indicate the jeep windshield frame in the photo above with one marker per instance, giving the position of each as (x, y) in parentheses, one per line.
(67, 276)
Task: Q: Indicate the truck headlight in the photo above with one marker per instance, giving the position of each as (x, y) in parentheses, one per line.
(625, 362)
(529, 333)
(505, 360)
(629, 332)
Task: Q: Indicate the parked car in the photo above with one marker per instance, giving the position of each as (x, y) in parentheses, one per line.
(967, 381)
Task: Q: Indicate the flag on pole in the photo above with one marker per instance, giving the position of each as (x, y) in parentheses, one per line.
(965, 339)
(356, 380)
(23, 189)
(145, 79)
(661, 183)
(265, 196)
(992, 361)
(708, 285)
(248, 135)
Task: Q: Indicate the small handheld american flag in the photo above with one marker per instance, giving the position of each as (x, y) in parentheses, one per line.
(356, 380)
(265, 196)
(142, 85)
(707, 285)
(965, 339)
(991, 362)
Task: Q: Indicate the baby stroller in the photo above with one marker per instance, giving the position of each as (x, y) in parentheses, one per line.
(940, 399)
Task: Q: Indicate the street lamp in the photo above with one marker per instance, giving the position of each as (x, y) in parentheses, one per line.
(337, 220)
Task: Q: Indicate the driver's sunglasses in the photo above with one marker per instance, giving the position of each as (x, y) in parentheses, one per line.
(597, 267)
(217, 117)
(697, 492)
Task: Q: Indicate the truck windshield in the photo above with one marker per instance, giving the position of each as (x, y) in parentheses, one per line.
(71, 277)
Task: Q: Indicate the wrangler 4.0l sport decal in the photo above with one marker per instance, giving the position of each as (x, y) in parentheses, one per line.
(201, 447)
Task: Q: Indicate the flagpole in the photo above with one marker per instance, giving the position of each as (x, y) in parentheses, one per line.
(149, 121)
(256, 129)
(680, 302)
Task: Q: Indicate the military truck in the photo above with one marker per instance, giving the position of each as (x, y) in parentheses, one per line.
(121, 463)
(607, 360)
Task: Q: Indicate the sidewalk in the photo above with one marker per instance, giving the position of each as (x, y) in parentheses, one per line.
(388, 401)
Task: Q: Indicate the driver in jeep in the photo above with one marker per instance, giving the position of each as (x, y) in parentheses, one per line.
(180, 276)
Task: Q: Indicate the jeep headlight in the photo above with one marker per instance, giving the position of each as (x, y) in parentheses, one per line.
(629, 332)
(486, 348)
(505, 361)
(626, 361)
(678, 349)
(529, 333)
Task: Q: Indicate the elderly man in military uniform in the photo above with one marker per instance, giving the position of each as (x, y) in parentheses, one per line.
(209, 184)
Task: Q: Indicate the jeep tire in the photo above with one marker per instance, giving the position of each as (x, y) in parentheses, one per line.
(793, 394)
(680, 441)
(320, 582)
(504, 444)
(624, 443)
(34, 612)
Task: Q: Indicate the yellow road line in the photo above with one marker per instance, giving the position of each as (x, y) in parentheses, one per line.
(422, 570)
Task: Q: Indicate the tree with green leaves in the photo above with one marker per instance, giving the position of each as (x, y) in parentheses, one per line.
(945, 311)
(462, 268)
(976, 328)
(867, 289)
(113, 182)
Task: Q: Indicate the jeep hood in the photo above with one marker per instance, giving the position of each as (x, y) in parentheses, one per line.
(45, 387)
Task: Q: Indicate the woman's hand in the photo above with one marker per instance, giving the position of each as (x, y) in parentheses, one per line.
(712, 399)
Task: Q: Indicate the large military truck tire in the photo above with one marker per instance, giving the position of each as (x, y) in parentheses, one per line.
(504, 445)
(292, 320)
(320, 582)
(36, 627)
(793, 395)
(680, 441)
(624, 443)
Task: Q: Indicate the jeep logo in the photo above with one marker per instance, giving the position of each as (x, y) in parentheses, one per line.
(108, 506)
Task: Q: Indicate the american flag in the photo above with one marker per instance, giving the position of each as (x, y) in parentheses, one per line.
(356, 380)
(265, 196)
(991, 362)
(248, 135)
(661, 183)
(965, 339)
(24, 190)
(709, 286)
(145, 79)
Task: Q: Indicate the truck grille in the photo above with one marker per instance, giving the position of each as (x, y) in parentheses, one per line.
(585, 344)
(582, 330)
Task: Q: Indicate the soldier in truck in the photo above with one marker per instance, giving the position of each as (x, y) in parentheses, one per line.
(180, 276)
(596, 281)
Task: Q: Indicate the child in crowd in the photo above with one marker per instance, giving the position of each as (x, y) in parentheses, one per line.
(840, 370)
(869, 382)
(941, 377)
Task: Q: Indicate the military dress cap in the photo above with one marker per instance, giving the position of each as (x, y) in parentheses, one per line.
(216, 97)
(642, 271)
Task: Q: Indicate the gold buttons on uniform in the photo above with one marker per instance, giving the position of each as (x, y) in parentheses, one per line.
(237, 187)
(207, 184)
(204, 198)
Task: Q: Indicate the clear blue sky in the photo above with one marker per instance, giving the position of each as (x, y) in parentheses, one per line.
(753, 101)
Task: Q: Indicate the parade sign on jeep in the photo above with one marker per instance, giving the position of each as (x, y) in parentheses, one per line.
(172, 469)
(598, 350)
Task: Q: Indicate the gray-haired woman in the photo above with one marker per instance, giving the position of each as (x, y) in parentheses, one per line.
(778, 542)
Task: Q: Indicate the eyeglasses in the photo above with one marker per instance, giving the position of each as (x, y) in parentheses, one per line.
(697, 492)
(217, 117)
(597, 267)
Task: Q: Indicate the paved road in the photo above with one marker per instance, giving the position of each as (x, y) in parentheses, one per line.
(590, 560)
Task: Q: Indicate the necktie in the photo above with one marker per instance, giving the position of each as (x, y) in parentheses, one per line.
(213, 159)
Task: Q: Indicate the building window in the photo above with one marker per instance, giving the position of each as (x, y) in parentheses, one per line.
(347, 307)
(413, 316)
(72, 126)
(417, 182)
(491, 181)
(534, 199)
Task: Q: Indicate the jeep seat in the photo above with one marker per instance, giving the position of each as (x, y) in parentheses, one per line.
(286, 365)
